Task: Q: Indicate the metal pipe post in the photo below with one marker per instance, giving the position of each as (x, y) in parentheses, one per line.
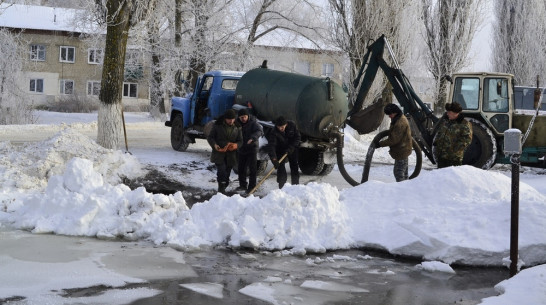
(514, 217)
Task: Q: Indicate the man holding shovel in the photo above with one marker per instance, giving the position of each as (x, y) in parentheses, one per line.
(284, 139)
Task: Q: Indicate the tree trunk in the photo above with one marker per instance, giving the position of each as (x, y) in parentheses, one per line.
(110, 116)
(157, 104)
(179, 75)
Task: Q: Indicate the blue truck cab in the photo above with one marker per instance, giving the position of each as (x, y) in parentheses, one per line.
(191, 116)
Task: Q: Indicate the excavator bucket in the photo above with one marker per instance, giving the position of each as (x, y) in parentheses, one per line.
(368, 119)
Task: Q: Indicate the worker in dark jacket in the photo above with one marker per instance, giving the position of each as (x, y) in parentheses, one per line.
(284, 139)
(453, 137)
(399, 141)
(225, 138)
(248, 152)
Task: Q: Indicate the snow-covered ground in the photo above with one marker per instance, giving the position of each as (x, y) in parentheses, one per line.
(69, 185)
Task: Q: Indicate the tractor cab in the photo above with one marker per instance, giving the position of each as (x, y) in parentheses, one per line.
(486, 97)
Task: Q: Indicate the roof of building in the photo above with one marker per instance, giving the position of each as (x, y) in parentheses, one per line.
(33, 17)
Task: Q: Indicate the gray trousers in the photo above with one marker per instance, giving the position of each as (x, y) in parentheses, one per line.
(400, 170)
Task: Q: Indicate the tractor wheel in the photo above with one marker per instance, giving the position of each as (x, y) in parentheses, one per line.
(179, 138)
(311, 161)
(482, 151)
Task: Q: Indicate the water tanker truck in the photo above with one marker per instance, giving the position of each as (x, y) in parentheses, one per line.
(318, 106)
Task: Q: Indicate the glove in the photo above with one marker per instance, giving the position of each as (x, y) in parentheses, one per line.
(290, 150)
(222, 149)
(276, 163)
(231, 146)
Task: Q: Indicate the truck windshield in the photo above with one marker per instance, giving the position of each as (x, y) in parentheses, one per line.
(495, 95)
(466, 92)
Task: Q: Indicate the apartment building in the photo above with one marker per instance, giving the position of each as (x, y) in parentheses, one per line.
(62, 63)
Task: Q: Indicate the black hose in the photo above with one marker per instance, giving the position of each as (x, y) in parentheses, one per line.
(371, 150)
(340, 164)
(369, 156)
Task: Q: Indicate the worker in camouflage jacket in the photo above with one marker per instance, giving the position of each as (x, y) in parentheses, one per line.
(453, 137)
(399, 141)
(225, 138)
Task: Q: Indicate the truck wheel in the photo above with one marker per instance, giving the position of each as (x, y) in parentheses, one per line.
(327, 169)
(482, 151)
(179, 138)
(311, 161)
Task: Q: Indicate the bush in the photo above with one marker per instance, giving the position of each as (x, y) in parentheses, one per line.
(73, 103)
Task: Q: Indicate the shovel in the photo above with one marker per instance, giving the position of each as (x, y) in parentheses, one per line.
(266, 176)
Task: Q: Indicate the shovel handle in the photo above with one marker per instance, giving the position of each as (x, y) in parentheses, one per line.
(266, 176)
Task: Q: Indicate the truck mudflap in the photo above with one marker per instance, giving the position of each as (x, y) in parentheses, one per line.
(368, 119)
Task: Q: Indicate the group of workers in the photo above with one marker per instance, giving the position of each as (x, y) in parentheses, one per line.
(453, 137)
(234, 140)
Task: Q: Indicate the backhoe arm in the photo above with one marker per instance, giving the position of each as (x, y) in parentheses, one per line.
(422, 117)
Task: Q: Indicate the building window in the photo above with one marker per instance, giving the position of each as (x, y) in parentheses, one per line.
(94, 56)
(327, 69)
(37, 52)
(67, 86)
(302, 67)
(130, 90)
(67, 54)
(36, 85)
(93, 88)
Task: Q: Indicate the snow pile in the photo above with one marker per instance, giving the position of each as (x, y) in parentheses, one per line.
(31, 165)
(453, 215)
(457, 215)
(527, 287)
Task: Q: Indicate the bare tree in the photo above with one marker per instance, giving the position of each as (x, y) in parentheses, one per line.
(14, 105)
(450, 26)
(355, 24)
(519, 40)
(261, 18)
(119, 16)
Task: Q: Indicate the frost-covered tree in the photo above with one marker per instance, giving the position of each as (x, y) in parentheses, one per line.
(207, 32)
(450, 26)
(14, 108)
(519, 39)
(119, 16)
(354, 24)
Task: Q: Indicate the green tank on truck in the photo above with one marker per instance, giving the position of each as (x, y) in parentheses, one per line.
(318, 106)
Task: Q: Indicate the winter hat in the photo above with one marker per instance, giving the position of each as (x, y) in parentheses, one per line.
(454, 107)
(243, 111)
(391, 108)
(280, 121)
(230, 114)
